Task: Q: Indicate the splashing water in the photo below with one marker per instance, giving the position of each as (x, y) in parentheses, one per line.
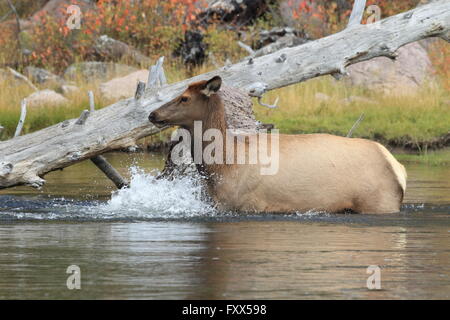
(148, 197)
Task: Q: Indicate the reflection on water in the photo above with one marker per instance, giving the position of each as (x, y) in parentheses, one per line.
(142, 255)
(246, 259)
(428, 184)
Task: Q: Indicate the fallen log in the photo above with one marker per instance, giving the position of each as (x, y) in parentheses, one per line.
(24, 160)
(99, 161)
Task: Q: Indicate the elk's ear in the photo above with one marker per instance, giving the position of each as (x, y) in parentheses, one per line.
(212, 86)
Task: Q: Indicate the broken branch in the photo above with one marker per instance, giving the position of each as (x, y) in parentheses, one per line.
(357, 13)
(23, 114)
(355, 125)
(110, 172)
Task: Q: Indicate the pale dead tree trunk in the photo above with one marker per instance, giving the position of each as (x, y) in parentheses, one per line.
(26, 159)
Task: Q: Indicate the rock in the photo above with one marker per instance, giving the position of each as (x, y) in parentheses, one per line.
(42, 76)
(69, 89)
(110, 48)
(321, 96)
(90, 71)
(124, 87)
(46, 98)
(406, 75)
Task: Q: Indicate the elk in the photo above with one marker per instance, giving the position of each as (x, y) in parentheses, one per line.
(319, 172)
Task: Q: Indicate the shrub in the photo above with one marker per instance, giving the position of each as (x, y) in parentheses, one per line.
(149, 25)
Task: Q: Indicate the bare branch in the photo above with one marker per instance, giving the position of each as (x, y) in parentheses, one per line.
(270, 106)
(152, 77)
(162, 76)
(156, 76)
(22, 77)
(355, 125)
(83, 117)
(246, 48)
(357, 13)
(257, 90)
(23, 114)
(91, 101)
(139, 90)
(110, 172)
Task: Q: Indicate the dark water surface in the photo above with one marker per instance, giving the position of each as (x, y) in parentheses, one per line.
(158, 241)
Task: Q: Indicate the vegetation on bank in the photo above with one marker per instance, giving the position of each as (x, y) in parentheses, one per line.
(430, 158)
(416, 118)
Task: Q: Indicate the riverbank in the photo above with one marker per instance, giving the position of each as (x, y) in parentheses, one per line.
(418, 122)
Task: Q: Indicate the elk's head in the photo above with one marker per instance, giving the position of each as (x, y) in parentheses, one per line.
(192, 105)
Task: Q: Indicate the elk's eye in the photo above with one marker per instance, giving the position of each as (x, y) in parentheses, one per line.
(184, 99)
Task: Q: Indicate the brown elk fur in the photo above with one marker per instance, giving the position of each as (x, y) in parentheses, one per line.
(318, 172)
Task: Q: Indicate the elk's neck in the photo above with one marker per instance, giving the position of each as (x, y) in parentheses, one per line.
(214, 119)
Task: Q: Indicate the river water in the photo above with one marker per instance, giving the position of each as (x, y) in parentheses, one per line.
(157, 240)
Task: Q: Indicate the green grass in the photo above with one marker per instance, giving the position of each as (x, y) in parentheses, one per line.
(430, 158)
(37, 117)
(419, 117)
